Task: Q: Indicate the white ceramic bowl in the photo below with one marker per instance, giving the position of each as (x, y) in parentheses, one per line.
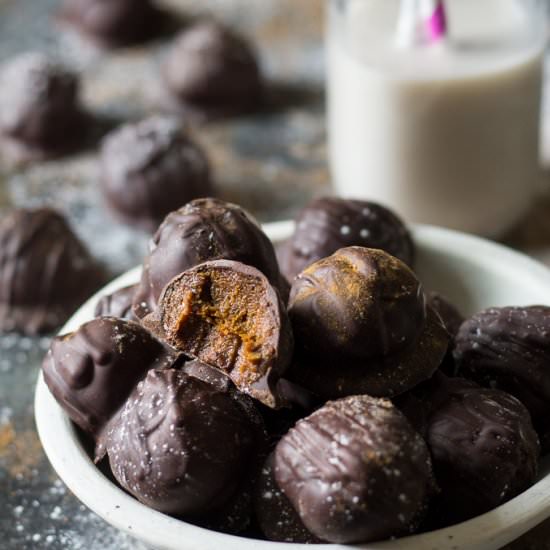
(472, 272)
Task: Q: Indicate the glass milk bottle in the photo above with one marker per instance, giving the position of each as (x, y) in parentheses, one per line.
(434, 107)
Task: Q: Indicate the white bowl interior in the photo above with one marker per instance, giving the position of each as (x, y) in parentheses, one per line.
(472, 272)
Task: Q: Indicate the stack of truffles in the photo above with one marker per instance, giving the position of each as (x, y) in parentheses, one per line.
(325, 398)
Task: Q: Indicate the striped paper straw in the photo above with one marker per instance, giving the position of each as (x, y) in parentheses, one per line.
(421, 22)
(436, 23)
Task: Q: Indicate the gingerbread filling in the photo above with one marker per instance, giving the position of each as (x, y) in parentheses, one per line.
(224, 318)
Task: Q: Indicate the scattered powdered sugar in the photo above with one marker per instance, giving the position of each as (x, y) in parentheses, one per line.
(57, 522)
(5, 365)
(56, 513)
(18, 510)
(5, 415)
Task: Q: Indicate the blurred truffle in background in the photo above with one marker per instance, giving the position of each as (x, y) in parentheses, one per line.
(113, 23)
(211, 72)
(45, 271)
(150, 168)
(40, 113)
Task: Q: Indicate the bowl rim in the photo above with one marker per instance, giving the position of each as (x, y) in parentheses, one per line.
(73, 465)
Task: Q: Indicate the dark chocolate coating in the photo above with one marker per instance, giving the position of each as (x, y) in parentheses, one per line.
(111, 22)
(484, 449)
(452, 319)
(212, 72)
(45, 271)
(449, 313)
(92, 371)
(296, 403)
(227, 315)
(418, 403)
(378, 376)
(328, 224)
(361, 326)
(208, 374)
(203, 230)
(150, 168)
(276, 516)
(118, 304)
(181, 445)
(355, 471)
(509, 348)
(357, 303)
(39, 106)
(237, 515)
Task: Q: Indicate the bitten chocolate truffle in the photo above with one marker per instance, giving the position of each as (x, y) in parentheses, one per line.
(483, 445)
(150, 168)
(330, 223)
(509, 348)
(182, 446)
(118, 304)
(45, 271)
(227, 315)
(203, 230)
(40, 114)
(355, 471)
(92, 371)
(212, 72)
(361, 326)
(112, 23)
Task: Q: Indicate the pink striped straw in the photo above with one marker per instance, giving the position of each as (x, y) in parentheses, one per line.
(436, 23)
(421, 22)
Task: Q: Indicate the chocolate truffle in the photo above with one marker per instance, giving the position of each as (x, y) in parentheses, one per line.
(237, 514)
(203, 230)
(361, 326)
(483, 445)
(355, 471)
(452, 319)
(296, 403)
(449, 313)
(330, 223)
(509, 348)
(112, 22)
(92, 371)
(183, 446)
(117, 304)
(277, 518)
(150, 168)
(212, 72)
(227, 315)
(208, 374)
(40, 114)
(45, 271)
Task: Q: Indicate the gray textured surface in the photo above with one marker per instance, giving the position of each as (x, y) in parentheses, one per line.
(270, 163)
